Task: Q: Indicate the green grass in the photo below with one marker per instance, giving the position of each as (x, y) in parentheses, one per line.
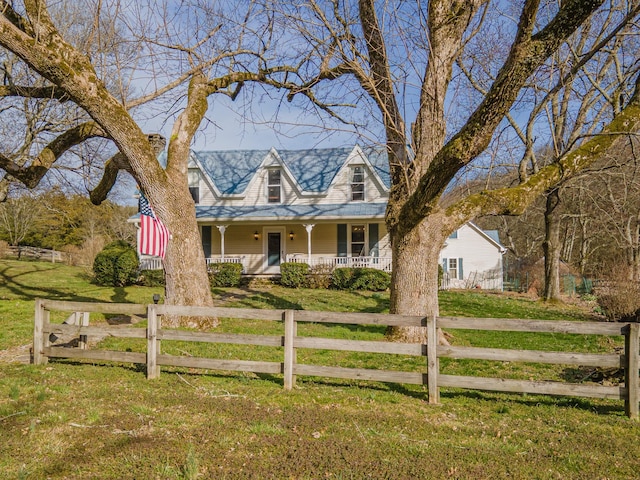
(91, 420)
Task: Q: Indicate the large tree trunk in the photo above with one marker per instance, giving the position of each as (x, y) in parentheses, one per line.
(551, 247)
(186, 278)
(414, 279)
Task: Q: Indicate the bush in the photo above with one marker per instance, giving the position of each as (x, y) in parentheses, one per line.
(116, 265)
(293, 275)
(360, 279)
(620, 301)
(341, 278)
(370, 279)
(151, 278)
(225, 274)
(319, 276)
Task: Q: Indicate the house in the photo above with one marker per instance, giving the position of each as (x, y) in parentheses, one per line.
(321, 206)
(472, 258)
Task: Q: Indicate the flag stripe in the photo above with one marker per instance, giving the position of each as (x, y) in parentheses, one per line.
(154, 235)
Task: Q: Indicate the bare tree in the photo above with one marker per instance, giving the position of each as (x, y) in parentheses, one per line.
(184, 54)
(397, 48)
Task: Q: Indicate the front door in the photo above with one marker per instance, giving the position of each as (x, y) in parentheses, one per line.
(274, 249)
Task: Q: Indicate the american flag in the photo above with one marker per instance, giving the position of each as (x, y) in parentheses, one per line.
(154, 236)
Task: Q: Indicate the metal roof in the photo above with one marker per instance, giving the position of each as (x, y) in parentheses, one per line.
(313, 169)
(292, 212)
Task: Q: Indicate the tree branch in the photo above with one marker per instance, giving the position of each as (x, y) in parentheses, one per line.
(514, 200)
(31, 175)
(526, 54)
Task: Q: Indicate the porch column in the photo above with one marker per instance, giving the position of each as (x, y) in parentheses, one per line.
(222, 229)
(308, 228)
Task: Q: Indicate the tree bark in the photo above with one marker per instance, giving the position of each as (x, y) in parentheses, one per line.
(551, 247)
(414, 278)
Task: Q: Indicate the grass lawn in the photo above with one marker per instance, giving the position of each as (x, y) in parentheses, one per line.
(84, 420)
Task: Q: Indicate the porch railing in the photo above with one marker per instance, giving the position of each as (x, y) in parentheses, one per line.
(225, 259)
(379, 263)
(155, 263)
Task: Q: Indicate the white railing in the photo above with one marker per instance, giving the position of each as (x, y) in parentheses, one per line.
(150, 263)
(379, 263)
(225, 259)
(155, 263)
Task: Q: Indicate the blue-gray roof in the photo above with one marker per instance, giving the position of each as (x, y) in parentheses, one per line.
(493, 234)
(313, 169)
(292, 212)
(231, 170)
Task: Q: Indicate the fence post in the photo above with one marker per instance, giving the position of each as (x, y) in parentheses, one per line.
(38, 335)
(631, 380)
(432, 361)
(153, 344)
(84, 322)
(290, 330)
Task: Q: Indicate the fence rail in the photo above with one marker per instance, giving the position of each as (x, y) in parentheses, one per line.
(77, 324)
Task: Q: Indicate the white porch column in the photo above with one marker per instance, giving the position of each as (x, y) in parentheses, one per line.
(308, 228)
(222, 229)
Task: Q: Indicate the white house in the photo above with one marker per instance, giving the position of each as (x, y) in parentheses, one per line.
(321, 206)
(472, 258)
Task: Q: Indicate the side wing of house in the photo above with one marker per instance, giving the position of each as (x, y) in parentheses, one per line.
(472, 258)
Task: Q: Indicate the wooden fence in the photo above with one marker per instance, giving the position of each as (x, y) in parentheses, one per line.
(77, 324)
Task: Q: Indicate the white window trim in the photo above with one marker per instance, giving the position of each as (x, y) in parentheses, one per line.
(350, 238)
(363, 183)
(269, 185)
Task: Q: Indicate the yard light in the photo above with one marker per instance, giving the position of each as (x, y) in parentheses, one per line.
(156, 298)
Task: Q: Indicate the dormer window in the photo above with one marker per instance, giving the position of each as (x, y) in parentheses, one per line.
(273, 186)
(357, 183)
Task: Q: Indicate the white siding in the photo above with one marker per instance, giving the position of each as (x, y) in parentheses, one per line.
(482, 259)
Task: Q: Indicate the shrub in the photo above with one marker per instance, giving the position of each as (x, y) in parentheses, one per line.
(319, 276)
(151, 278)
(116, 265)
(341, 278)
(370, 279)
(225, 274)
(620, 301)
(293, 275)
(360, 279)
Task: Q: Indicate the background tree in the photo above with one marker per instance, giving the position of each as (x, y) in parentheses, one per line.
(18, 218)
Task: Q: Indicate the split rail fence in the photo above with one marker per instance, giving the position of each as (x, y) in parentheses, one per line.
(77, 325)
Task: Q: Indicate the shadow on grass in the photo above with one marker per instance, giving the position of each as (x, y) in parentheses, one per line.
(18, 285)
(501, 400)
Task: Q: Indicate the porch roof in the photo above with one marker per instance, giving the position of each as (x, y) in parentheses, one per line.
(359, 211)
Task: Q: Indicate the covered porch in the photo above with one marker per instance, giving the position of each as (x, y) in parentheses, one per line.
(261, 239)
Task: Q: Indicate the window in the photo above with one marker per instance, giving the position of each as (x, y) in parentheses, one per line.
(194, 184)
(357, 241)
(357, 183)
(195, 194)
(273, 186)
(453, 268)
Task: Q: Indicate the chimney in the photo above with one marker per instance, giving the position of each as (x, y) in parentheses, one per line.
(158, 142)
